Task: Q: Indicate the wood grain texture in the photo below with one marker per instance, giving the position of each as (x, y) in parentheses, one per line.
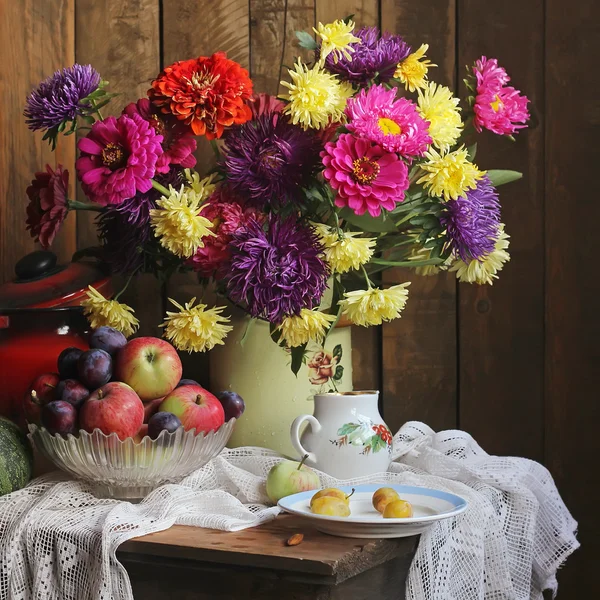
(333, 558)
(155, 579)
(493, 318)
(366, 341)
(572, 376)
(419, 350)
(36, 38)
(274, 45)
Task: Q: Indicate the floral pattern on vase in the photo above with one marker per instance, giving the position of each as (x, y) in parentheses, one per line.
(324, 369)
(365, 433)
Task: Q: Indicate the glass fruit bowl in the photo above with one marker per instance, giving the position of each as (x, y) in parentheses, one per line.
(129, 469)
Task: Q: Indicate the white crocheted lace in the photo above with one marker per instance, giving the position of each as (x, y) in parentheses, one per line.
(58, 541)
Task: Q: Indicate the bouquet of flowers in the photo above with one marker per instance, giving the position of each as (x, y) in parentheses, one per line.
(363, 164)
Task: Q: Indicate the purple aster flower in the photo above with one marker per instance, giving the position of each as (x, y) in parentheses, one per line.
(124, 228)
(269, 160)
(472, 221)
(377, 55)
(277, 272)
(61, 96)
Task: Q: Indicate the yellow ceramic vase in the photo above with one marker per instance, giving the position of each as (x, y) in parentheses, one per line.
(252, 365)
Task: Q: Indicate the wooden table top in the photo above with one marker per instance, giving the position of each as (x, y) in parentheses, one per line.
(333, 558)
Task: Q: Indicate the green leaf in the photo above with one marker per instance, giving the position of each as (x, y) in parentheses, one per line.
(472, 152)
(407, 263)
(347, 428)
(368, 223)
(501, 176)
(348, 18)
(337, 352)
(306, 40)
(297, 358)
(339, 372)
(274, 332)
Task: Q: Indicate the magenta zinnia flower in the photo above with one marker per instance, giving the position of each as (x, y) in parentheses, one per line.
(500, 108)
(277, 269)
(394, 124)
(472, 221)
(376, 56)
(118, 159)
(269, 160)
(365, 176)
(178, 143)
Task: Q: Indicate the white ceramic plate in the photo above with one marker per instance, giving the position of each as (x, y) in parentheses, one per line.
(365, 522)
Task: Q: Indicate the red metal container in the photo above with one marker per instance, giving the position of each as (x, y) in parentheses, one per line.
(39, 317)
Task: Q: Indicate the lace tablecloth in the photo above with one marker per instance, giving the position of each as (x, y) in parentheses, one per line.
(58, 541)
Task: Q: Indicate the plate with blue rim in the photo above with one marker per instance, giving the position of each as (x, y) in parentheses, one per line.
(429, 505)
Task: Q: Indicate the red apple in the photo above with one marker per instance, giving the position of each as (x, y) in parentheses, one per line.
(151, 407)
(150, 366)
(196, 408)
(42, 391)
(113, 408)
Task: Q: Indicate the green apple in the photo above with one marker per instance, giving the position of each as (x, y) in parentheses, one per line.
(290, 477)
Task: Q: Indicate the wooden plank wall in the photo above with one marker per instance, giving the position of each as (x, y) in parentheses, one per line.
(515, 364)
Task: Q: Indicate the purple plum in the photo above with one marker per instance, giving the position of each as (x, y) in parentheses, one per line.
(67, 362)
(187, 382)
(233, 404)
(59, 417)
(94, 368)
(108, 339)
(162, 421)
(72, 391)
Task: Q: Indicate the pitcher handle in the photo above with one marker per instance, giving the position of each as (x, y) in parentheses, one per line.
(295, 436)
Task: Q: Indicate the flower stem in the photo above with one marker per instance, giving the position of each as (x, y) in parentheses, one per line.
(366, 276)
(97, 110)
(126, 285)
(414, 177)
(77, 205)
(160, 188)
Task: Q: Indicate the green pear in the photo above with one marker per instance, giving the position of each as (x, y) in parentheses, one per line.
(290, 477)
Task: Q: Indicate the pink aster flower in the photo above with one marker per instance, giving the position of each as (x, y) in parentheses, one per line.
(489, 73)
(365, 176)
(500, 108)
(178, 142)
(394, 124)
(118, 158)
(228, 215)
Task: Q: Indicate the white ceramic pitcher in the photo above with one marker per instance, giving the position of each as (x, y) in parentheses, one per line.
(346, 437)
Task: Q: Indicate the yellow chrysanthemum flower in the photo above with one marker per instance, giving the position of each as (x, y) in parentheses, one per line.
(100, 311)
(196, 328)
(336, 38)
(373, 306)
(449, 175)
(202, 187)
(316, 97)
(438, 106)
(308, 326)
(178, 222)
(484, 271)
(412, 71)
(348, 252)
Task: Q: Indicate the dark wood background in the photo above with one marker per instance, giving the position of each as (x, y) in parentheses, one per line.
(515, 364)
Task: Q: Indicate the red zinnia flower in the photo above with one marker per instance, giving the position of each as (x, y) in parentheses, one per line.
(206, 93)
(48, 204)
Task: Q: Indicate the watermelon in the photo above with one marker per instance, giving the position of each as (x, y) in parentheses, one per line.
(16, 458)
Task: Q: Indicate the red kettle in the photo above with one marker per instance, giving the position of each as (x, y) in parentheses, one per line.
(39, 317)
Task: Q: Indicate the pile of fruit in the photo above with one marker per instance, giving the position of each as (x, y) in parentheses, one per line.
(130, 388)
(336, 503)
(289, 477)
